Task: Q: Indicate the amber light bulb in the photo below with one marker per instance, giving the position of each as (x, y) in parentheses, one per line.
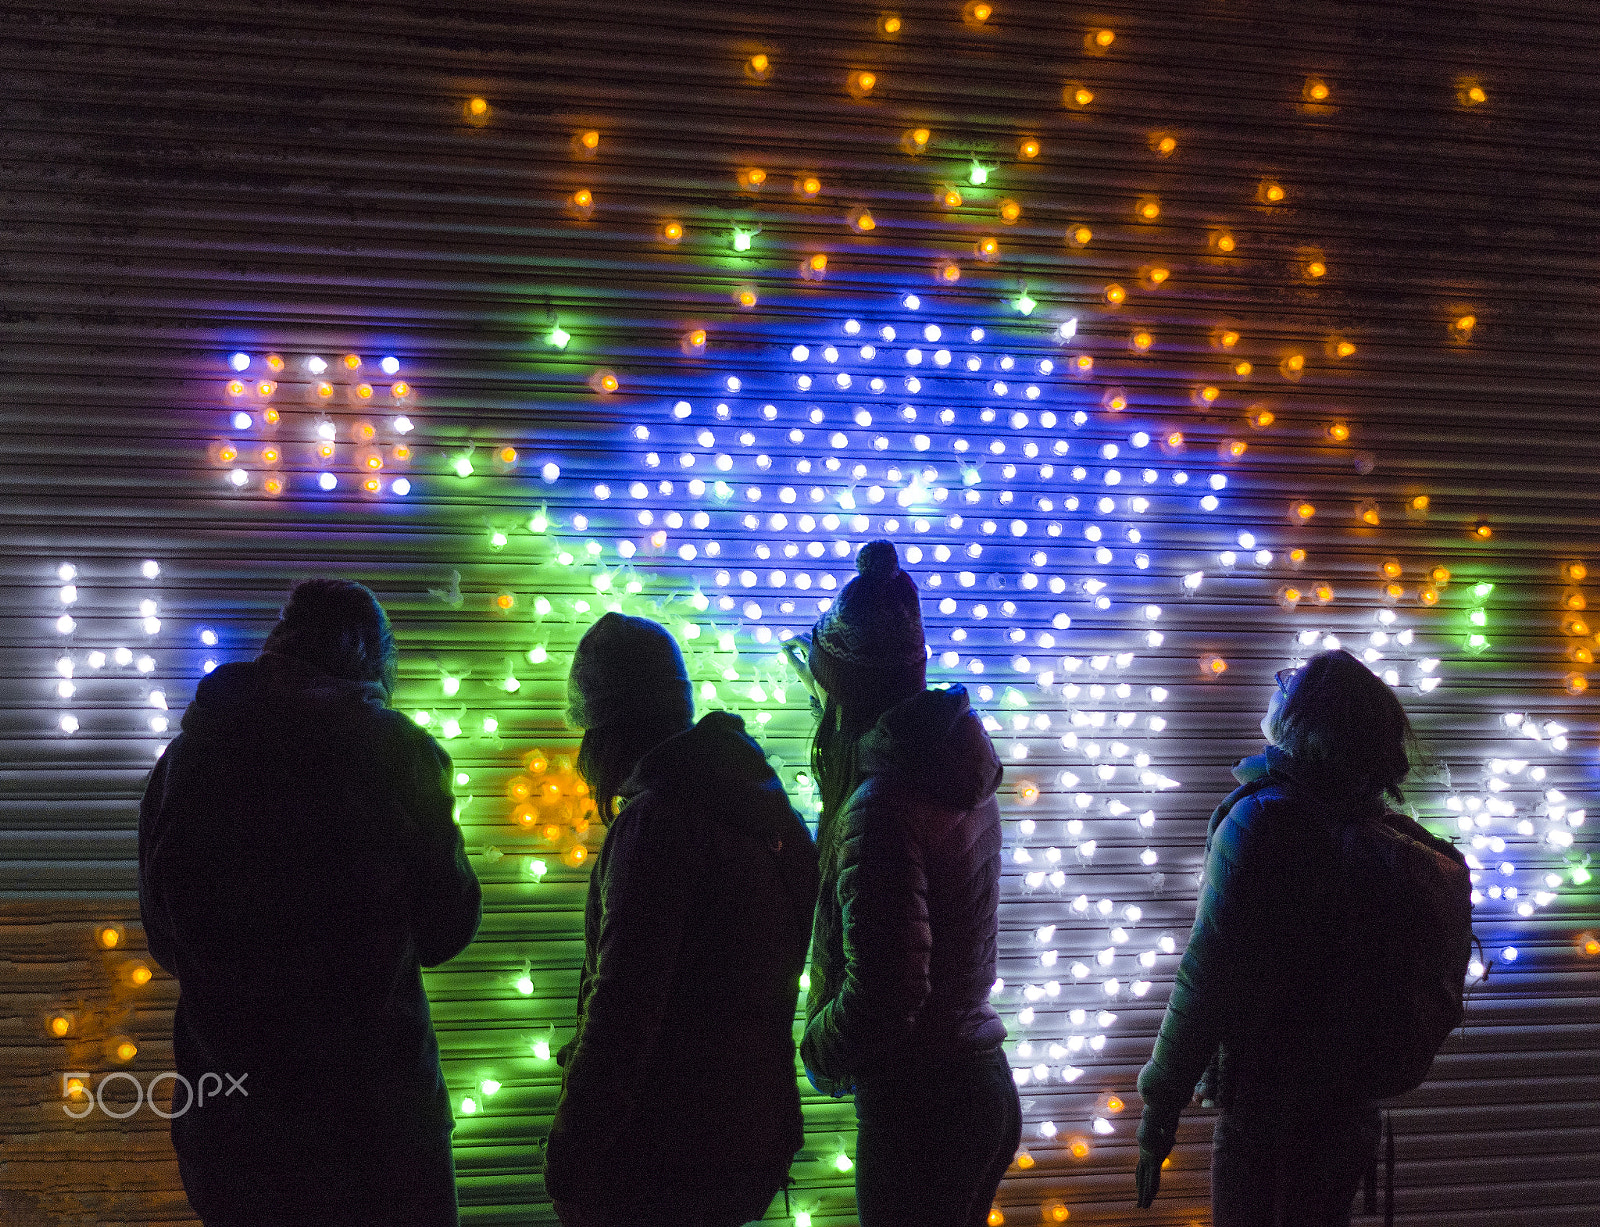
(1115, 295)
(1029, 148)
(1010, 211)
(1081, 236)
(478, 106)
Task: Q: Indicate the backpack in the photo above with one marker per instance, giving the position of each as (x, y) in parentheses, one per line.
(1407, 904)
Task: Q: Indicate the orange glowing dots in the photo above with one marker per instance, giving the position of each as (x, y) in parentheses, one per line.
(363, 432)
(949, 271)
(1024, 1160)
(1225, 338)
(227, 453)
(505, 600)
(1156, 276)
(751, 177)
(235, 388)
(519, 788)
(694, 341)
(1079, 236)
(1079, 1147)
(1115, 399)
(125, 1051)
(1206, 395)
(1269, 192)
(996, 1217)
(988, 249)
(1232, 449)
(1077, 95)
(1440, 575)
(1147, 208)
(817, 265)
(1103, 38)
(1391, 568)
(477, 106)
(352, 362)
(1010, 211)
(1577, 572)
(1293, 365)
(1173, 440)
(1243, 369)
(1115, 295)
(1428, 594)
(1418, 504)
(915, 140)
(1027, 792)
(1289, 596)
(604, 381)
(1304, 510)
(951, 198)
(1589, 944)
(861, 84)
(1340, 348)
(1164, 145)
(862, 221)
(1029, 148)
(401, 452)
(1315, 90)
(1083, 364)
(1339, 432)
(372, 485)
(1581, 655)
(758, 66)
(400, 390)
(363, 391)
(1577, 683)
(507, 455)
(574, 856)
(1055, 1212)
(270, 455)
(672, 232)
(1224, 242)
(1114, 1104)
(550, 832)
(266, 387)
(589, 139)
(273, 486)
(889, 24)
(808, 186)
(746, 297)
(1323, 592)
(1297, 556)
(324, 389)
(1469, 93)
(60, 1024)
(1261, 418)
(1315, 269)
(1141, 340)
(1367, 512)
(581, 202)
(1461, 327)
(525, 814)
(976, 12)
(1482, 530)
(325, 450)
(1575, 626)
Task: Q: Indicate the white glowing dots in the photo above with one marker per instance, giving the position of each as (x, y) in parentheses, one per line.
(68, 723)
(66, 624)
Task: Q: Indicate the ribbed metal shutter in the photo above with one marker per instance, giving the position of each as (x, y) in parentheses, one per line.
(1385, 211)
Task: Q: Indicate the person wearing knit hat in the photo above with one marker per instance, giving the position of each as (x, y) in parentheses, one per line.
(903, 948)
(678, 1101)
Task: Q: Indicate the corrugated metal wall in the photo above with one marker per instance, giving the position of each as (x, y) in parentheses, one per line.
(1332, 270)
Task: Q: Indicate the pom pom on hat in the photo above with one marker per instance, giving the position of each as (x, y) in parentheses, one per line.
(869, 646)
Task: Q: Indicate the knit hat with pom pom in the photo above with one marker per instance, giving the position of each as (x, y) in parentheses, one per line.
(869, 647)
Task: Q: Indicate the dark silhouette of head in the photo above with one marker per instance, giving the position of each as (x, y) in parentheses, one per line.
(338, 626)
(1340, 722)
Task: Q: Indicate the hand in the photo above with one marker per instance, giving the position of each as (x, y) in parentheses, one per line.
(798, 651)
(1147, 1178)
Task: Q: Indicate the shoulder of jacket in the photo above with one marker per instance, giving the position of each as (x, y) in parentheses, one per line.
(399, 733)
(1251, 819)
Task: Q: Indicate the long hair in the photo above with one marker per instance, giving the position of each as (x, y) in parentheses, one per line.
(1341, 722)
(608, 754)
(338, 626)
(836, 750)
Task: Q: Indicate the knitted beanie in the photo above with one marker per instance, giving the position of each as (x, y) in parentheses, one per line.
(868, 648)
(628, 670)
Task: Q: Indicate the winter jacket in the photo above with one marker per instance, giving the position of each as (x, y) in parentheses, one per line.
(298, 862)
(1253, 994)
(681, 1075)
(903, 952)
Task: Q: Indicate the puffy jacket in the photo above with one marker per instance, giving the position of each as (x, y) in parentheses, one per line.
(1253, 992)
(298, 861)
(681, 1075)
(903, 951)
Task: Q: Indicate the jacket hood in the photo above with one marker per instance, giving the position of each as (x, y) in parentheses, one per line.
(273, 685)
(936, 745)
(718, 768)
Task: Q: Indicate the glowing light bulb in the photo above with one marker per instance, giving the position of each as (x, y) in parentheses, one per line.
(558, 336)
(1148, 210)
(672, 232)
(1115, 295)
(1270, 193)
(478, 106)
(1316, 90)
(1029, 148)
(978, 174)
(1080, 95)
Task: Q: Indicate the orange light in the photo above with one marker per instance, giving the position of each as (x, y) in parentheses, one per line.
(1158, 275)
(1166, 145)
(1225, 243)
(1024, 1160)
(988, 248)
(1474, 95)
(1115, 1104)
(1082, 97)
(269, 455)
(1315, 90)
(574, 856)
(1083, 364)
(1316, 269)
(1079, 1148)
(1294, 363)
(364, 432)
(1591, 946)
(1292, 595)
(324, 389)
(1027, 792)
(1055, 1212)
(524, 815)
(519, 788)
(60, 1024)
(583, 198)
(1115, 295)
(758, 65)
(402, 452)
(889, 23)
(1175, 438)
(1339, 432)
(1440, 575)
(1081, 236)
(863, 221)
(1010, 210)
(1370, 515)
(1575, 626)
(1343, 349)
(1209, 393)
(752, 176)
(478, 106)
(235, 388)
(1116, 400)
(1577, 683)
(1577, 572)
(747, 297)
(949, 272)
(865, 81)
(1305, 510)
(400, 390)
(1104, 38)
(1419, 503)
(266, 387)
(352, 362)
(1029, 148)
(976, 12)
(273, 485)
(810, 185)
(996, 1218)
(1324, 593)
(1262, 418)
(1234, 448)
(126, 1051)
(1464, 324)
(1149, 210)
(1242, 369)
(1391, 568)
(696, 339)
(1393, 591)
(1482, 531)
(505, 600)
(325, 450)
(1297, 556)
(109, 936)
(1428, 594)
(951, 198)
(1271, 193)
(372, 485)
(604, 381)
(1142, 340)
(919, 137)
(274, 362)
(1227, 339)
(227, 453)
(819, 263)
(672, 232)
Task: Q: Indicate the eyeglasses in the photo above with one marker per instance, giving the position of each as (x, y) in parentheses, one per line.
(1282, 677)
